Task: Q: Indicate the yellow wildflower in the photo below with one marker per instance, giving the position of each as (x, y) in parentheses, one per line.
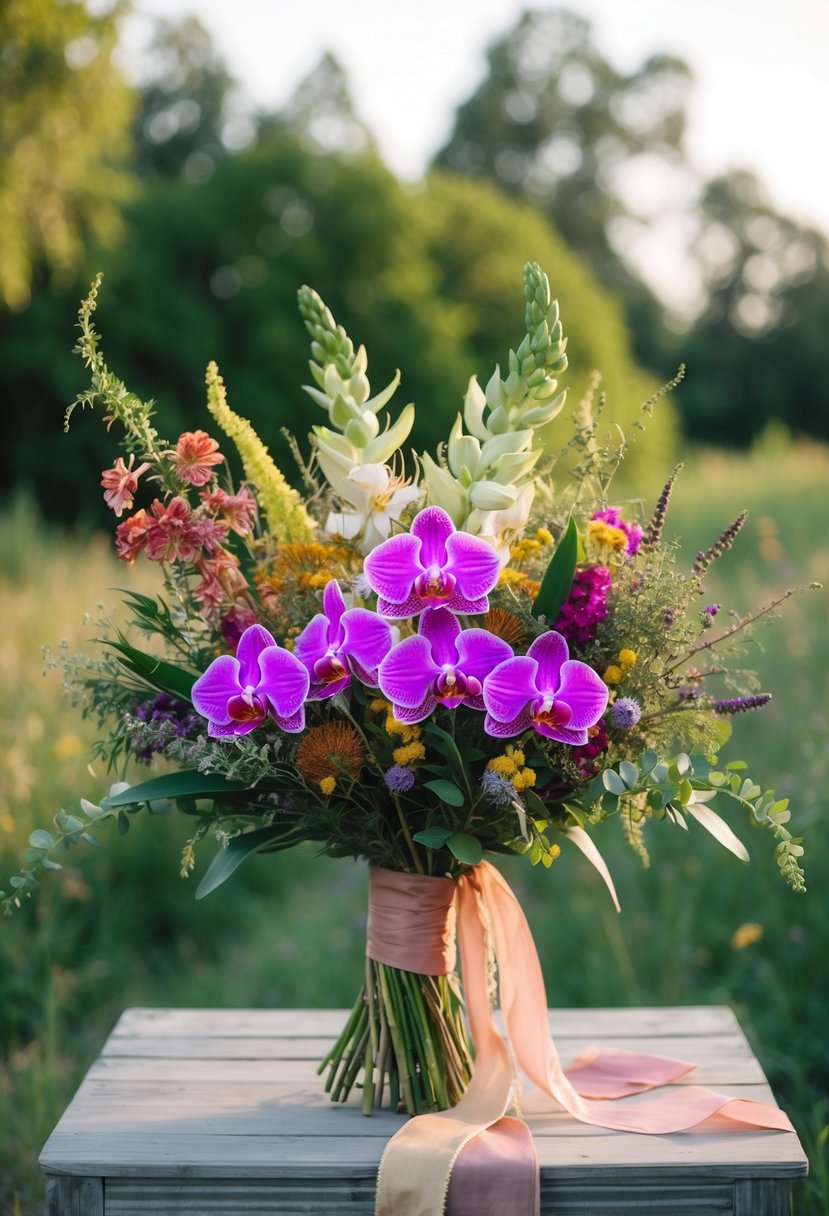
(406, 731)
(612, 674)
(505, 765)
(515, 753)
(510, 578)
(627, 658)
(409, 753)
(544, 536)
(524, 779)
(379, 705)
(746, 935)
(602, 533)
(328, 785)
(524, 549)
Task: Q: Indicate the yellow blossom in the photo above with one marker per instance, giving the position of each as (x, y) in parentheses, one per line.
(407, 754)
(328, 785)
(406, 731)
(379, 705)
(627, 658)
(544, 536)
(746, 935)
(505, 765)
(510, 578)
(612, 674)
(605, 534)
(524, 779)
(523, 549)
(515, 753)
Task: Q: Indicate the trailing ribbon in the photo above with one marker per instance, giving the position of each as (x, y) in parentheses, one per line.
(498, 1172)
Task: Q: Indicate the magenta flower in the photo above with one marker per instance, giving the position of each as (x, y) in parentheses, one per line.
(547, 690)
(613, 516)
(237, 694)
(442, 664)
(340, 642)
(433, 566)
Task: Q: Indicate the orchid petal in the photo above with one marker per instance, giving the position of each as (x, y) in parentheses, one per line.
(369, 678)
(480, 652)
(506, 730)
(252, 643)
(408, 671)
(465, 607)
(212, 691)
(510, 687)
(321, 692)
(413, 605)
(222, 730)
(561, 734)
(584, 691)
(441, 628)
(474, 564)
(366, 637)
(404, 714)
(333, 605)
(294, 724)
(392, 567)
(550, 651)
(433, 527)
(285, 681)
(313, 642)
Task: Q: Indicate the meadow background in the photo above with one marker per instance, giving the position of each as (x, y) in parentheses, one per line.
(204, 230)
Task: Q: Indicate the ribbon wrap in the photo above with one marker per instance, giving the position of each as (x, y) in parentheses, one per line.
(427, 1162)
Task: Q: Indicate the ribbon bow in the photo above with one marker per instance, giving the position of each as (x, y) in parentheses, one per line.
(490, 1148)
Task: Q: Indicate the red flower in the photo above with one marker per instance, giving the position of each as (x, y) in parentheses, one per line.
(131, 536)
(174, 534)
(120, 483)
(238, 509)
(194, 457)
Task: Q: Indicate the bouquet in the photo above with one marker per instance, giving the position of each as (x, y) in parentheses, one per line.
(421, 665)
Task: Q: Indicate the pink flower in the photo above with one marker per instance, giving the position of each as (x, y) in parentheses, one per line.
(131, 536)
(173, 533)
(194, 457)
(120, 483)
(210, 532)
(239, 510)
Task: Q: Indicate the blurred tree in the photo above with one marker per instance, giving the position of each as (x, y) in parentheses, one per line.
(758, 349)
(556, 124)
(429, 280)
(64, 118)
(183, 125)
(321, 114)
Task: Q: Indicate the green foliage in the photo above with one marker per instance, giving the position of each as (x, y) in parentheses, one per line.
(558, 577)
(63, 139)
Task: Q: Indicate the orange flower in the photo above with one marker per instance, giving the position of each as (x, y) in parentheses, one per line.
(194, 457)
(328, 751)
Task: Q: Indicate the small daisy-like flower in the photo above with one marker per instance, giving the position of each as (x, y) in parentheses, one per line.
(625, 713)
(399, 779)
(328, 751)
(194, 456)
(120, 483)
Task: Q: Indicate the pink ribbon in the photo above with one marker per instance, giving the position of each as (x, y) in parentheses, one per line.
(460, 1154)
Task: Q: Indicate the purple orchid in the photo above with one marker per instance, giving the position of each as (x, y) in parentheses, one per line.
(237, 694)
(560, 697)
(433, 566)
(340, 642)
(442, 664)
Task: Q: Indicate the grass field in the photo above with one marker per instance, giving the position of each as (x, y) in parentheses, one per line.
(118, 927)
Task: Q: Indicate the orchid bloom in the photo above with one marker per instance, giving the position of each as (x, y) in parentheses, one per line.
(545, 689)
(433, 566)
(120, 483)
(442, 664)
(340, 642)
(237, 694)
(378, 498)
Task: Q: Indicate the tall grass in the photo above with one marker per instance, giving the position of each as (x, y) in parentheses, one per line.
(118, 927)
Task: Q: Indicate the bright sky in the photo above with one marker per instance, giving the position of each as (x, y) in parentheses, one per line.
(762, 70)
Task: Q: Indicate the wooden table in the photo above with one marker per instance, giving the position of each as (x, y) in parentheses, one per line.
(219, 1112)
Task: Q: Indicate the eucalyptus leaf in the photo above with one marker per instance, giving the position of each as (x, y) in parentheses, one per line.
(434, 837)
(467, 849)
(613, 783)
(41, 839)
(629, 773)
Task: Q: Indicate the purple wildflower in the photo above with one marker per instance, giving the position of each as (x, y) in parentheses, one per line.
(498, 788)
(586, 606)
(739, 705)
(625, 713)
(545, 689)
(340, 642)
(237, 694)
(399, 779)
(172, 719)
(441, 664)
(433, 566)
(612, 516)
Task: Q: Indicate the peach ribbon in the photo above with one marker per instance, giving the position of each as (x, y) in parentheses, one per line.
(417, 1165)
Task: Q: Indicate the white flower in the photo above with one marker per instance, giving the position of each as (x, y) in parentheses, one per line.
(378, 499)
(503, 527)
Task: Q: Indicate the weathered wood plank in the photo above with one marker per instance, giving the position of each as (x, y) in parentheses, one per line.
(67, 1196)
(753, 1197)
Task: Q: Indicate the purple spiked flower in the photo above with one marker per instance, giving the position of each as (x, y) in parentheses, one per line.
(237, 694)
(433, 566)
(442, 664)
(340, 642)
(545, 689)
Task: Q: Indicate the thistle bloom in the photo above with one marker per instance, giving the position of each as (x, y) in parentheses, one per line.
(547, 690)
(120, 483)
(237, 694)
(339, 642)
(194, 456)
(442, 664)
(433, 566)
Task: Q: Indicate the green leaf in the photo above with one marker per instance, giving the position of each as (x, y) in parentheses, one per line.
(629, 773)
(160, 674)
(467, 849)
(535, 805)
(558, 577)
(447, 791)
(647, 760)
(613, 783)
(41, 839)
(123, 823)
(188, 783)
(434, 837)
(451, 751)
(228, 860)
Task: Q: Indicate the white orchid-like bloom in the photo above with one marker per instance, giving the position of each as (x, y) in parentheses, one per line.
(501, 528)
(378, 498)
